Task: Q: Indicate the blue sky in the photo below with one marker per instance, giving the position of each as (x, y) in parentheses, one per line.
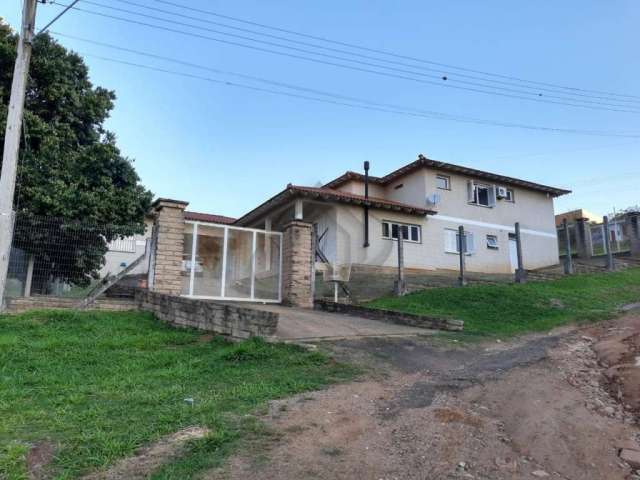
(225, 149)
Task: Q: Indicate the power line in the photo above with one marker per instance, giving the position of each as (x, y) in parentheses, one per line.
(450, 76)
(367, 105)
(69, 7)
(384, 52)
(592, 105)
(268, 81)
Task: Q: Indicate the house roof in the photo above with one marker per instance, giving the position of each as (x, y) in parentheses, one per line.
(209, 218)
(330, 195)
(423, 161)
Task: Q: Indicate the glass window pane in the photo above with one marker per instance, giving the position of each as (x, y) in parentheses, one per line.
(405, 232)
(483, 196)
(238, 271)
(208, 265)
(442, 182)
(414, 234)
(267, 281)
(394, 230)
(385, 230)
(185, 273)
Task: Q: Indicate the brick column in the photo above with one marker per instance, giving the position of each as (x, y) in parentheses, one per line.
(584, 244)
(169, 245)
(297, 265)
(633, 221)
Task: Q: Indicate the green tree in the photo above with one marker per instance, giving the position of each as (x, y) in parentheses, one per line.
(72, 178)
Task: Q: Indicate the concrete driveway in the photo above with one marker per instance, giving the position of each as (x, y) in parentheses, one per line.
(302, 325)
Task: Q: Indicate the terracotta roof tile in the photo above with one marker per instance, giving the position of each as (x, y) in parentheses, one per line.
(209, 218)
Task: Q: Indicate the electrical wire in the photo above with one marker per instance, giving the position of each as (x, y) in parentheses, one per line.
(369, 106)
(68, 7)
(385, 52)
(450, 76)
(350, 67)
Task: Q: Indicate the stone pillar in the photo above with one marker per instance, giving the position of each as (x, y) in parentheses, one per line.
(584, 245)
(297, 265)
(633, 222)
(169, 245)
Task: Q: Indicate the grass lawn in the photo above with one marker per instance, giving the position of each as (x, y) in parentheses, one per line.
(98, 385)
(506, 310)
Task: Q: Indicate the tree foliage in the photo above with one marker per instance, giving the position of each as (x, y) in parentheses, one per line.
(70, 167)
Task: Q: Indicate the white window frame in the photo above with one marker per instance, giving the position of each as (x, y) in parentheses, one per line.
(390, 224)
(454, 231)
(472, 194)
(494, 246)
(226, 229)
(511, 198)
(447, 181)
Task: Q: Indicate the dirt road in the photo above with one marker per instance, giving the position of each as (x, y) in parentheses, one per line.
(534, 408)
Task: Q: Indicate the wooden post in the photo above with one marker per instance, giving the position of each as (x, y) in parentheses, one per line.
(12, 139)
(521, 273)
(29, 280)
(462, 251)
(401, 286)
(568, 262)
(607, 243)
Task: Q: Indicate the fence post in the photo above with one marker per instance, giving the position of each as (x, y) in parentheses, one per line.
(583, 239)
(633, 220)
(521, 273)
(29, 279)
(400, 286)
(607, 243)
(568, 262)
(462, 250)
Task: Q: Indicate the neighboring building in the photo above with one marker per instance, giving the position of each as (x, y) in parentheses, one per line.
(580, 213)
(428, 200)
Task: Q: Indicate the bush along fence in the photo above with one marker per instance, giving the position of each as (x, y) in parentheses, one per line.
(391, 316)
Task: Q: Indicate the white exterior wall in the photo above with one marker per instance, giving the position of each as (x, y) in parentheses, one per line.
(532, 209)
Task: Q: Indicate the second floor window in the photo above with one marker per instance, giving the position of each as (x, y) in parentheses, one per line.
(481, 194)
(443, 182)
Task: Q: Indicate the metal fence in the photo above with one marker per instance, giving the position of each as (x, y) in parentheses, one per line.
(618, 237)
(51, 256)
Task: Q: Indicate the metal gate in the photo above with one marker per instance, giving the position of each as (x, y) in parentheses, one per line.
(223, 262)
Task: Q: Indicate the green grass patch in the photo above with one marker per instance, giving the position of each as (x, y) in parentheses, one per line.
(98, 385)
(512, 309)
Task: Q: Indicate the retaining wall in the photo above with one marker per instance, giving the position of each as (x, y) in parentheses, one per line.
(391, 316)
(222, 318)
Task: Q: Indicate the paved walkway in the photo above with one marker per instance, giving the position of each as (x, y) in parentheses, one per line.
(298, 324)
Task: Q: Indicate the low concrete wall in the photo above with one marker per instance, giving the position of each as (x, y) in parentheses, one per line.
(225, 319)
(391, 316)
(23, 304)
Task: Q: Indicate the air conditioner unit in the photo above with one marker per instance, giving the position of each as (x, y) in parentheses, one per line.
(433, 199)
(501, 192)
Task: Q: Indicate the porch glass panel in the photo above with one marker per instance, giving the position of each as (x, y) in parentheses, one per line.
(207, 278)
(238, 264)
(267, 274)
(185, 272)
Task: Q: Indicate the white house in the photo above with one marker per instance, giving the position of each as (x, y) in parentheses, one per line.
(428, 200)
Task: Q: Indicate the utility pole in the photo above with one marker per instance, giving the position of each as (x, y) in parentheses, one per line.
(462, 251)
(12, 139)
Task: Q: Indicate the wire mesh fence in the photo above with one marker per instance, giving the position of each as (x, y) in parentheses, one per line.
(57, 257)
(619, 240)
